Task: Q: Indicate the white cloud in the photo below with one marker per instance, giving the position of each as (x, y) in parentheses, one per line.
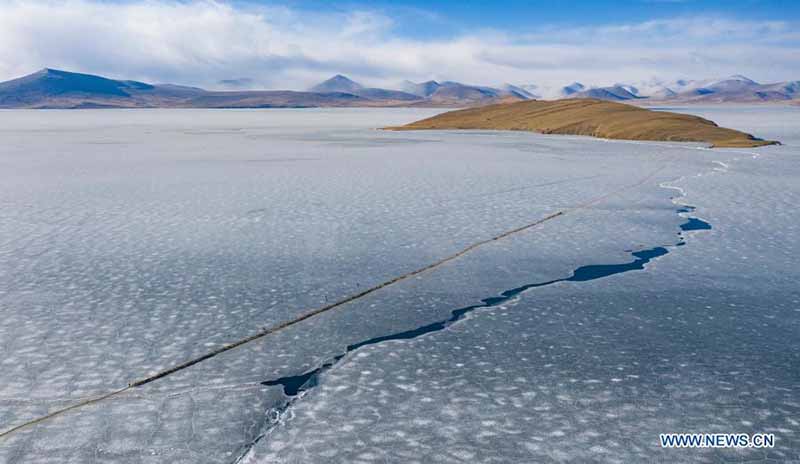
(200, 42)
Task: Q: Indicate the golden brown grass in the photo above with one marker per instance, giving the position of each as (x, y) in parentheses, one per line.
(590, 117)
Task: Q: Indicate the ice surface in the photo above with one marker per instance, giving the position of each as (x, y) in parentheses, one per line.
(707, 340)
(134, 240)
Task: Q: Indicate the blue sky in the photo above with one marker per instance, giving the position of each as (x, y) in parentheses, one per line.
(295, 43)
(437, 18)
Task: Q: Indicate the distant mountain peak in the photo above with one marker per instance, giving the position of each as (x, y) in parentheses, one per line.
(739, 77)
(632, 89)
(519, 91)
(50, 72)
(337, 83)
(61, 72)
(575, 87)
(614, 93)
(423, 89)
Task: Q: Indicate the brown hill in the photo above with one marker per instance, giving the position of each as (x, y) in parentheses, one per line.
(590, 117)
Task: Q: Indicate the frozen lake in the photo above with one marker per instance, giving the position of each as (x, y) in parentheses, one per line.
(133, 241)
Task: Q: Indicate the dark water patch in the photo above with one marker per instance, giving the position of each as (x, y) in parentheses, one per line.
(695, 224)
(294, 384)
(692, 223)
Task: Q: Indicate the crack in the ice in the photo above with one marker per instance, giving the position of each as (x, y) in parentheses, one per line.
(294, 387)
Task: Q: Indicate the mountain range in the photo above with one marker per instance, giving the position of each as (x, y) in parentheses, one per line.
(733, 89)
(51, 88)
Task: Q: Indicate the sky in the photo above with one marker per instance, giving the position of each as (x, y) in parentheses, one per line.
(294, 44)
